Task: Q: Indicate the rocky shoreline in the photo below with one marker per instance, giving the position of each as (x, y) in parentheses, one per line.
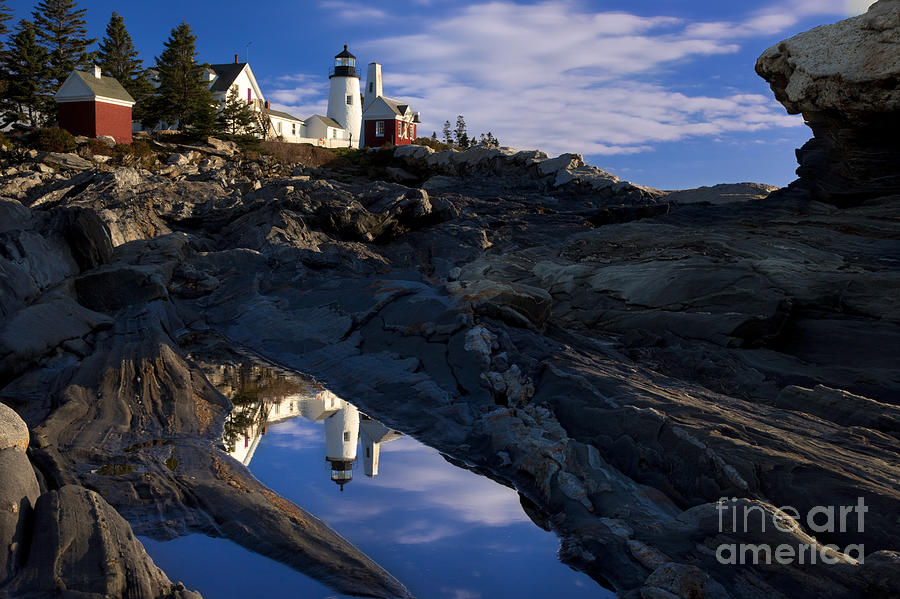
(623, 357)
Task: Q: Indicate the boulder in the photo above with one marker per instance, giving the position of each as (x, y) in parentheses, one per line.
(229, 148)
(107, 140)
(83, 548)
(18, 491)
(843, 79)
(67, 161)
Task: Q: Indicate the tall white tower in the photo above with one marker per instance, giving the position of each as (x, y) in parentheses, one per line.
(373, 84)
(343, 95)
(341, 438)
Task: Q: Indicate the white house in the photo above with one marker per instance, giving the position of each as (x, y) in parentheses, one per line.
(326, 131)
(239, 75)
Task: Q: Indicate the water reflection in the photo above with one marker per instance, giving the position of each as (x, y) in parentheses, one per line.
(443, 531)
(263, 397)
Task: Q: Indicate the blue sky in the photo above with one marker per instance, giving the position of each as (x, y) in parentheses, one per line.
(660, 92)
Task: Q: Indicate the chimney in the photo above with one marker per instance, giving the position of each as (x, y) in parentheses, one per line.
(96, 70)
(373, 84)
(235, 59)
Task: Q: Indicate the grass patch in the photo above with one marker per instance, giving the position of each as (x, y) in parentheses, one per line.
(289, 153)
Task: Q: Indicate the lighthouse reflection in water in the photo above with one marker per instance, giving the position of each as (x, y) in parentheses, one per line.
(262, 397)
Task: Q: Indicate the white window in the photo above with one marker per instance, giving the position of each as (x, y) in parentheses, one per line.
(293, 128)
(279, 127)
(379, 128)
(349, 99)
(371, 87)
(346, 435)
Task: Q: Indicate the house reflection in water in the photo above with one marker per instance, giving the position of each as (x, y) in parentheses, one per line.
(262, 397)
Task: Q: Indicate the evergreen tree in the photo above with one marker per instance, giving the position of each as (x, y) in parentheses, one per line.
(118, 58)
(460, 135)
(448, 137)
(488, 139)
(5, 15)
(25, 63)
(434, 136)
(183, 95)
(61, 30)
(236, 116)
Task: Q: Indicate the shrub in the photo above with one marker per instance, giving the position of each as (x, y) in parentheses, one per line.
(136, 153)
(291, 153)
(53, 139)
(434, 144)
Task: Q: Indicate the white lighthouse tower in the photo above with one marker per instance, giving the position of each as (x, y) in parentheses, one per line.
(343, 95)
(341, 439)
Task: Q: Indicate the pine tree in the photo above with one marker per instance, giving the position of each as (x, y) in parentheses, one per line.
(460, 135)
(434, 136)
(236, 116)
(183, 95)
(118, 58)
(448, 137)
(25, 63)
(5, 15)
(488, 140)
(61, 30)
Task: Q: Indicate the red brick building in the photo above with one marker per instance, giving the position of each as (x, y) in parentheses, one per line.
(90, 104)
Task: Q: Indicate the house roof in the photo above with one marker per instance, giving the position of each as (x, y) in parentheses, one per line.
(384, 107)
(284, 115)
(226, 74)
(103, 86)
(396, 105)
(328, 121)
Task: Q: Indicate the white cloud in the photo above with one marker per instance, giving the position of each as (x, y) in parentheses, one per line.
(562, 77)
(452, 593)
(557, 76)
(353, 11)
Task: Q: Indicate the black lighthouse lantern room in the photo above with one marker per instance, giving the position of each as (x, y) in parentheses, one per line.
(344, 64)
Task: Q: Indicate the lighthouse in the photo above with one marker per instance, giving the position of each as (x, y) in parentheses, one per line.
(344, 105)
(341, 438)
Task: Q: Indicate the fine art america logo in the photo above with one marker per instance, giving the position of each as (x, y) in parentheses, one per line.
(739, 517)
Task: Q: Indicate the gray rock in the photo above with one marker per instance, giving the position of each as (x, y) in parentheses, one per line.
(842, 407)
(725, 193)
(66, 161)
(82, 546)
(229, 148)
(842, 78)
(18, 492)
(107, 140)
(13, 431)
